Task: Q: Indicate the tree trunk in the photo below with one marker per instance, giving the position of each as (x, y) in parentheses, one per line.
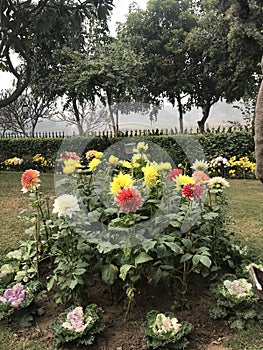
(114, 126)
(78, 122)
(181, 114)
(205, 112)
(21, 85)
(259, 131)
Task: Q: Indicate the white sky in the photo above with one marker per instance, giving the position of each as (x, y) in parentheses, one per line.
(121, 9)
(118, 15)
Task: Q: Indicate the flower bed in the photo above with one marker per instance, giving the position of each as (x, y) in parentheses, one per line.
(129, 221)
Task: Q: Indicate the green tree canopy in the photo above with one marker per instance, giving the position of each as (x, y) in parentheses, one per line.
(33, 29)
(159, 32)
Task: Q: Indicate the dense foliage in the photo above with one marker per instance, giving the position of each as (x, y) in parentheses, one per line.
(182, 50)
(28, 30)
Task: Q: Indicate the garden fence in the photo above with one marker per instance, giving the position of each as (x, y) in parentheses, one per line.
(127, 133)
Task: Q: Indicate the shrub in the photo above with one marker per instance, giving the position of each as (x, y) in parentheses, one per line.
(182, 148)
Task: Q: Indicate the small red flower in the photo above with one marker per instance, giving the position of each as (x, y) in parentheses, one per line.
(192, 191)
(173, 173)
(30, 180)
(129, 199)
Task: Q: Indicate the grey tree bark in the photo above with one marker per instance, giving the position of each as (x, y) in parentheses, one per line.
(259, 131)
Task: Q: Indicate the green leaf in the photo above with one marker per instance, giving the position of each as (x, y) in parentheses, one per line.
(205, 261)
(80, 271)
(142, 258)
(186, 257)
(109, 273)
(124, 270)
(105, 247)
(167, 267)
(51, 282)
(148, 245)
(73, 284)
(94, 215)
(157, 275)
(174, 247)
(187, 243)
(210, 216)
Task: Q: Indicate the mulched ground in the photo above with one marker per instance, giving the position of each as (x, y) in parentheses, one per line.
(207, 334)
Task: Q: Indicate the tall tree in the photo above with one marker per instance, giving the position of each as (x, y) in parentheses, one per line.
(86, 116)
(159, 33)
(24, 22)
(109, 73)
(246, 37)
(217, 73)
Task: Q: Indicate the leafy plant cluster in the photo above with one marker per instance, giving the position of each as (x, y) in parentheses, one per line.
(77, 325)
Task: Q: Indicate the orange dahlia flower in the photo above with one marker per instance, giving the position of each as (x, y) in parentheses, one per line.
(30, 180)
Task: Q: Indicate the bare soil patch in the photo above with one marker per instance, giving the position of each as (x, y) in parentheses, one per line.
(207, 334)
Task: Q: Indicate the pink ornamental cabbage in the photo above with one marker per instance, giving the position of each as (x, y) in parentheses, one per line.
(15, 295)
(76, 320)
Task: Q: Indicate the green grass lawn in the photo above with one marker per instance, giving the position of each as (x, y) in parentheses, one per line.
(245, 208)
(12, 202)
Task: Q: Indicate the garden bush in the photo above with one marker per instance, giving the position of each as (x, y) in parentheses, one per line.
(182, 148)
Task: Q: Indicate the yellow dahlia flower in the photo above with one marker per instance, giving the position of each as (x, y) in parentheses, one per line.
(150, 175)
(120, 181)
(70, 166)
(113, 160)
(163, 166)
(141, 147)
(94, 163)
(125, 164)
(182, 180)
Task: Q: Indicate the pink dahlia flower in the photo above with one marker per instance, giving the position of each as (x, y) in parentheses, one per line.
(129, 199)
(173, 173)
(200, 177)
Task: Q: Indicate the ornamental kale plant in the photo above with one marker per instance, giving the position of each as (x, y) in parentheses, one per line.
(235, 301)
(77, 325)
(16, 296)
(164, 330)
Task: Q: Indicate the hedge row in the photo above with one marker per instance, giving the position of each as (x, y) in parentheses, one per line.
(182, 148)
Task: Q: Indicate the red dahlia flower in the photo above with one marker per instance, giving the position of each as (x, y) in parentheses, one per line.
(129, 199)
(192, 191)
